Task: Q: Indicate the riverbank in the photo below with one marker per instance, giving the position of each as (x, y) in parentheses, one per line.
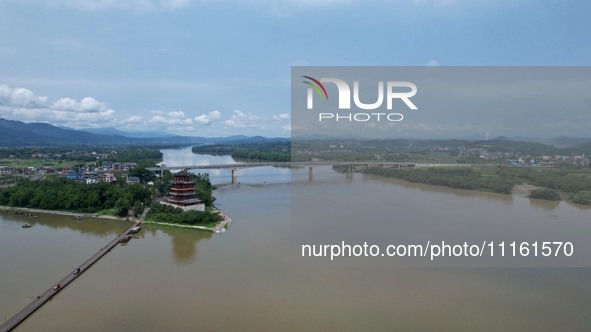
(569, 184)
(61, 213)
(221, 227)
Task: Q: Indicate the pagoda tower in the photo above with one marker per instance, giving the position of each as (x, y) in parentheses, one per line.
(182, 191)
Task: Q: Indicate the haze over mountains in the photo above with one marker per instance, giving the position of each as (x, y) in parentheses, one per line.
(17, 133)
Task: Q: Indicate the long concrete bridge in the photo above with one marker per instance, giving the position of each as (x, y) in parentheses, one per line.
(347, 166)
(65, 281)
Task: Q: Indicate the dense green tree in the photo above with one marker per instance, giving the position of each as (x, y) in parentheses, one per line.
(544, 193)
(62, 194)
(204, 189)
(143, 174)
(168, 214)
(269, 151)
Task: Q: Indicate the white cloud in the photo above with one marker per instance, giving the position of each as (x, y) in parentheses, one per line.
(242, 120)
(87, 104)
(205, 119)
(176, 115)
(24, 105)
(132, 120)
(282, 116)
(20, 97)
(172, 119)
(175, 122)
(433, 63)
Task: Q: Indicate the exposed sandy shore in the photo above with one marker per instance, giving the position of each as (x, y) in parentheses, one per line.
(523, 189)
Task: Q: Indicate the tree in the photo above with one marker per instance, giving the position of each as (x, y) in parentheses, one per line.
(143, 174)
(545, 193)
(122, 207)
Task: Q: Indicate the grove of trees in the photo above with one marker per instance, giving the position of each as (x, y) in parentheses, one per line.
(460, 178)
(270, 151)
(501, 179)
(61, 194)
(171, 215)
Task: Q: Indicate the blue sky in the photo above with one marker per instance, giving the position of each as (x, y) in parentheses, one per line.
(216, 68)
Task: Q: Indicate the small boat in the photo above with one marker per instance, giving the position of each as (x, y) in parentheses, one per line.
(134, 230)
(27, 226)
(78, 218)
(125, 239)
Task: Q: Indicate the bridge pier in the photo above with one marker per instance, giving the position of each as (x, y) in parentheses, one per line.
(311, 174)
(234, 176)
(349, 172)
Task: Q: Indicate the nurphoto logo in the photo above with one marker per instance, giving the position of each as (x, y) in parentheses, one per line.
(392, 92)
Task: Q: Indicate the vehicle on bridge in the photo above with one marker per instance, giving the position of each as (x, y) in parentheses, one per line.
(56, 287)
(76, 271)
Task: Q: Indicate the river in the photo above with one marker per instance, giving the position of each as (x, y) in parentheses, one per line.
(250, 278)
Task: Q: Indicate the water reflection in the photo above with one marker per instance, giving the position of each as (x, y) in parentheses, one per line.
(544, 204)
(507, 199)
(184, 242)
(93, 226)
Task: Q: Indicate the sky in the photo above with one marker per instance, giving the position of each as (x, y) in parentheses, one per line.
(219, 68)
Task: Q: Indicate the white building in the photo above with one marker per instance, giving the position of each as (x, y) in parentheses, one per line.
(6, 170)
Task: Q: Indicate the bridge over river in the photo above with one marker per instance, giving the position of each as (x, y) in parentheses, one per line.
(347, 166)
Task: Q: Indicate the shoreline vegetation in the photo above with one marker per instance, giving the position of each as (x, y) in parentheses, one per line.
(167, 214)
(220, 227)
(60, 194)
(553, 184)
(268, 151)
(118, 201)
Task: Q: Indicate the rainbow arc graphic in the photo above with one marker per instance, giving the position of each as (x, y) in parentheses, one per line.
(317, 86)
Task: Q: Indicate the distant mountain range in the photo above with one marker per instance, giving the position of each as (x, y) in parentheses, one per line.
(116, 132)
(17, 133)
